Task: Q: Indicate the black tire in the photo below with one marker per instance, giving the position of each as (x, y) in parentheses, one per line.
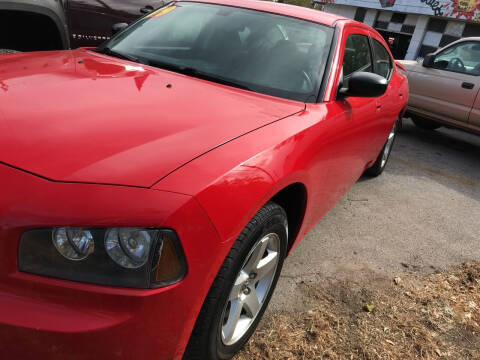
(7, 51)
(425, 123)
(206, 340)
(381, 162)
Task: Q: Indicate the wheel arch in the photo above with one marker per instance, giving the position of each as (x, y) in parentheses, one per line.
(293, 199)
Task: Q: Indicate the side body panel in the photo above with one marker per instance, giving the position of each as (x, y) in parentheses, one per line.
(439, 93)
(474, 118)
(326, 148)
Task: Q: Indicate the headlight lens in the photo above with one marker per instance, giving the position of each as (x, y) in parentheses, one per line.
(129, 257)
(129, 247)
(73, 244)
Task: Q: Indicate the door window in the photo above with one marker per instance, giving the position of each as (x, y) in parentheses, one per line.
(357, 55)
(463, 57)
(382, 60)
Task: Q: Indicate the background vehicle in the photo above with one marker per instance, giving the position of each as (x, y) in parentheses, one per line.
(148, 213)
(444, 87)
(31, 25)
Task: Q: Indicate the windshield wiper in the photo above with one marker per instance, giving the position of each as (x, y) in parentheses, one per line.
(196, 73)
(107, 51)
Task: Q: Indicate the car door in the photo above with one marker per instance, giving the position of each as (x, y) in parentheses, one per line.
(91, 21)
(349, 127)
(447, 89)
(362, 114)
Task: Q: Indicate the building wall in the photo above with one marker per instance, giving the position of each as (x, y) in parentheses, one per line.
(428, 32)
(458, 9)
(342, 10)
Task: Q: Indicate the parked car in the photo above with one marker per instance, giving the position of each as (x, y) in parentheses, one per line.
(444, 87)
(152, 187)
(28, 25)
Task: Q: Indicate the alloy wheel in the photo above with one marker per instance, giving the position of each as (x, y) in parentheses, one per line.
(250, 289)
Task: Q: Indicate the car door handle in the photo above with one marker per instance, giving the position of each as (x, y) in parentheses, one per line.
(467, 85)
(146, 9)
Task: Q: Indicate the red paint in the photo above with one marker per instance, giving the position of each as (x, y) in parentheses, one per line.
(203, 157)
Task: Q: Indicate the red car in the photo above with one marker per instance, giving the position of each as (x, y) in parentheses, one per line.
(151, 188)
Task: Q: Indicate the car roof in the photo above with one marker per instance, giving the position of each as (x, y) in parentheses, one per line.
(466, 39)
(281, 9)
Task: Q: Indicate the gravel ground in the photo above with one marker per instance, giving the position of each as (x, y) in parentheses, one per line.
(422, 215)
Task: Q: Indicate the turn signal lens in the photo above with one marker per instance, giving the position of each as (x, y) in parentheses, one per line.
(73, 243)
(170, 266)
(129, 247)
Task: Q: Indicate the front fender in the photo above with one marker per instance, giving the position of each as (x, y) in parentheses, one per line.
(235, 180)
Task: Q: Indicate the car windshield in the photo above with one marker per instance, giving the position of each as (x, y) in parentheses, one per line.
(262, 52)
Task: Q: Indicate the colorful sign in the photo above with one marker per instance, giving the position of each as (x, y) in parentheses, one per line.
(458, 9)
(463, 9)
(387, 3)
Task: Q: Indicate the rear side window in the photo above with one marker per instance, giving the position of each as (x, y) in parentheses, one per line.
(382, 61)
(357, 55)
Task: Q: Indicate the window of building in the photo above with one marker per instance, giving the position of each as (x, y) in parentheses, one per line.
(398, 18)
(360, 14)
(471, 30)
(437, 25)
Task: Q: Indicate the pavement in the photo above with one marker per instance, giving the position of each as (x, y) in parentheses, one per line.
(421, 215)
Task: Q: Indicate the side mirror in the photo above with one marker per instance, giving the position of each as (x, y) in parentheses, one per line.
(428, 60)
(364, 84)
(118, 27)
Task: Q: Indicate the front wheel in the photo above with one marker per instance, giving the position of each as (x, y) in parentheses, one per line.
(242, 289)
(379, 165)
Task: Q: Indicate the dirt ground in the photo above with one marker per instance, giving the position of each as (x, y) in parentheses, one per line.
(419, 221)
(410, 316)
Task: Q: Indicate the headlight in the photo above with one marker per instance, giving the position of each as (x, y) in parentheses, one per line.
(129, 247)
(130, 257)
(73, 244)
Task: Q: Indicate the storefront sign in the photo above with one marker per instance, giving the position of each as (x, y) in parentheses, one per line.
(459, 9)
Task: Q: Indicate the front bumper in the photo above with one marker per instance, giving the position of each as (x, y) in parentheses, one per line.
(47, 318)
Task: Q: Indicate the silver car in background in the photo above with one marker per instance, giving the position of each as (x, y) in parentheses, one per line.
(444, 87)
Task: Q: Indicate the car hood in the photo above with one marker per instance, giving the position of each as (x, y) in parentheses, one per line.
(79, 116)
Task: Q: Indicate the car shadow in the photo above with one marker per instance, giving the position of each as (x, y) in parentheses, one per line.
(450, 157)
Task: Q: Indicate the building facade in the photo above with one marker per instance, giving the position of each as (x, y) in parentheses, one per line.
(413, 28)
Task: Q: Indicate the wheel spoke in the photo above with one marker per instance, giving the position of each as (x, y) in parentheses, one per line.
(251, 303)
(266, 265)
(233, 318)
(238, 286)
(256, 256)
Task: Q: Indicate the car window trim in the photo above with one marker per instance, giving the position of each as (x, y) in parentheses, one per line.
(328, 66)
(390, 75)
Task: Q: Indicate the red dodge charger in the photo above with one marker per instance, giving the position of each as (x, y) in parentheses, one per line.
(152, 187)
